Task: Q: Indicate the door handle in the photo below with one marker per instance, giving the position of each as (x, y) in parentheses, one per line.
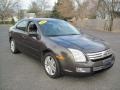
(23, 36)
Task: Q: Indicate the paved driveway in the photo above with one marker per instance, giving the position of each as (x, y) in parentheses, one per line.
(21, 72)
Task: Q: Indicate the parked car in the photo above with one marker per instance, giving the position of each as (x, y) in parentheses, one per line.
(60, 46)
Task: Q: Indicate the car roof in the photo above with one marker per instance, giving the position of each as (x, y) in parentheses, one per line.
(39, 19)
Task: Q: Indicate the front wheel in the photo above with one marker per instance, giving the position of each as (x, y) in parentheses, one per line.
(51, 66)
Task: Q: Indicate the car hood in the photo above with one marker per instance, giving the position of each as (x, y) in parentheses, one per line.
(85, 43)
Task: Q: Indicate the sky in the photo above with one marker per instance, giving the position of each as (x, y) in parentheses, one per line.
(25, 3)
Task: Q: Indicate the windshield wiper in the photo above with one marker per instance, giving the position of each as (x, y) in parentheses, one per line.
(73, 34)
(53, 35)
(61, 35)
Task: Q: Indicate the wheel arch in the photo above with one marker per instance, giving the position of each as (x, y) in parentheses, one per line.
(48, 51)
(10, 38)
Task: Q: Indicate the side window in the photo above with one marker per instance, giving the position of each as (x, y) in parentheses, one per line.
(22, 25)
(32, 27)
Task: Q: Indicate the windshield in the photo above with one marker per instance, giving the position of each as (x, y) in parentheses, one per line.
(57, 28)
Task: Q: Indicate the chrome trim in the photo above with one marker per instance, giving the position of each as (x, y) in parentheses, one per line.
(67, 70)
(99, 55)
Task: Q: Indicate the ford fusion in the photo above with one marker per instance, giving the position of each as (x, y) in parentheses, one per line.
(60, 46)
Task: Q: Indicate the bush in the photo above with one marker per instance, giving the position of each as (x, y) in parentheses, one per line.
(6, 22)
(12, 21)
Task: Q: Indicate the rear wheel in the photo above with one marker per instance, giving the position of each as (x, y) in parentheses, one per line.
(51, 66)
(13, 46)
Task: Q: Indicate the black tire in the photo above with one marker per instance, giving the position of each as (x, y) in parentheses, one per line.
(58, 69)
(15, 50)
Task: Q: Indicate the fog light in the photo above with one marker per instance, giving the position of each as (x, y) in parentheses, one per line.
(83, 70)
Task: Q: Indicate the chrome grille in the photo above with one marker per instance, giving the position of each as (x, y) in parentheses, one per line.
(99, 55)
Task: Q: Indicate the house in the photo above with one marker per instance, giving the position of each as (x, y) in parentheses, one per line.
(24, 14)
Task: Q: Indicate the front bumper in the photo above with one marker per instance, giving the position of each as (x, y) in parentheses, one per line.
(93, 66)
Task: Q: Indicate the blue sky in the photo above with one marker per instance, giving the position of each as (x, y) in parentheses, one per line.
(25, 3)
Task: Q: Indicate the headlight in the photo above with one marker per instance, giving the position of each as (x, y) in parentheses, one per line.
(78, 55)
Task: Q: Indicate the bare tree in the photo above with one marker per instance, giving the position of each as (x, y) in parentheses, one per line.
(107, 9)
(101, 9)
(86, 8)
(38, 7)
(43, 4)
(6, 7)
(34, 8)
(92, 8)
(82, 8)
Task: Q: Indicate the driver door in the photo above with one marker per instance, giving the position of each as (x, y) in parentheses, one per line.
(32, 40)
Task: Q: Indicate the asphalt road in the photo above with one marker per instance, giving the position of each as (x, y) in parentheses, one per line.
(21, 72)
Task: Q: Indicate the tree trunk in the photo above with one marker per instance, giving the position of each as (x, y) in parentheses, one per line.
(108, 23)
(2, 19)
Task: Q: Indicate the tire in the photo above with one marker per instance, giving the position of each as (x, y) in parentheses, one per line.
(51, 66)
(13, 47)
